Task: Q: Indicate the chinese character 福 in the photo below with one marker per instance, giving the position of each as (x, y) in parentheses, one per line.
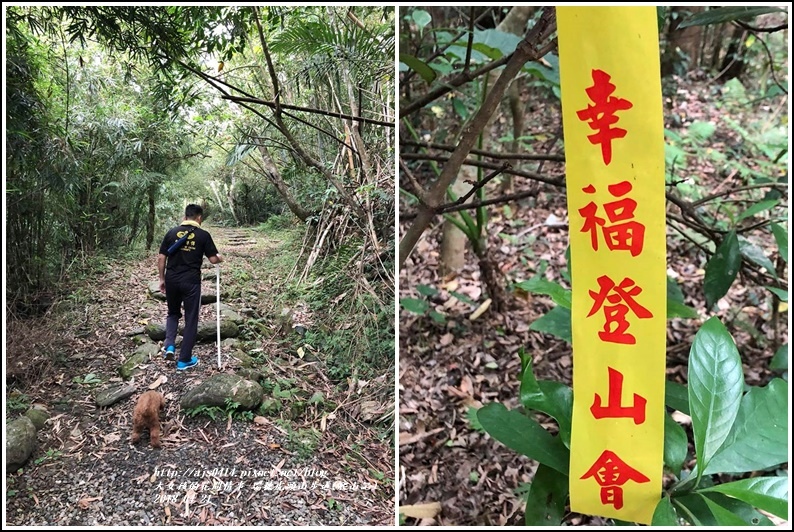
(624, 234)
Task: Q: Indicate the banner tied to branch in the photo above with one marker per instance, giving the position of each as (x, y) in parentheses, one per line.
(614, 150)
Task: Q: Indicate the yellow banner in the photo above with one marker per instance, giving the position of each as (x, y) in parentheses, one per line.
(614, 150)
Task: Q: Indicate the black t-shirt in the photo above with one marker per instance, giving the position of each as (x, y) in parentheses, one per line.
(185, 264)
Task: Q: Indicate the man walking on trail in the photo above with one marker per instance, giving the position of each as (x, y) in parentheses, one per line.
(180, 281)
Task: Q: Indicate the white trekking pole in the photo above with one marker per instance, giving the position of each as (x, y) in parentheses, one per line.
(218, 306)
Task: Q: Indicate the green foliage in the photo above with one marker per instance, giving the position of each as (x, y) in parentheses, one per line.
(90, 379)
(302, 442)
(50, 456)
(17, 402)
(734, 432)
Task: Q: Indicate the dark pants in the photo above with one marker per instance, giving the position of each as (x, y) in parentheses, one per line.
(176, 294)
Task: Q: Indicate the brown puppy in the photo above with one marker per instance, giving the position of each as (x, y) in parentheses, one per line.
(147, 416)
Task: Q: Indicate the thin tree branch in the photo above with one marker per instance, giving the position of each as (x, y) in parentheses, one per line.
(487, 165)
(534, 45)
(272, 105)
(746, 26)
(484, 153)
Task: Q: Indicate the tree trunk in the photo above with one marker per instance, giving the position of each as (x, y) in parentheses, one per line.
(453, 240)
(150, 219)
(686, 40)
(733, 64)
(274, 176)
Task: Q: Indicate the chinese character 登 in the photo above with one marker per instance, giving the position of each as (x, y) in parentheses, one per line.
(601, 115)
(611, 473)
(624, 234)
(613, 407)
(621, 297)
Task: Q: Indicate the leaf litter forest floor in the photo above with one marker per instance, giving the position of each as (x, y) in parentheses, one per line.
(465, 476)
(84, 470)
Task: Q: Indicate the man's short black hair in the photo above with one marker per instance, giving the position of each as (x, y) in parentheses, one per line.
(193, 210)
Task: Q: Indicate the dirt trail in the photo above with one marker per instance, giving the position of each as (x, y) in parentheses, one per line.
(312, 470)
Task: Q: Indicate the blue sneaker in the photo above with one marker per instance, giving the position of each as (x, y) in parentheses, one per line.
(181, 366)
(170, 353)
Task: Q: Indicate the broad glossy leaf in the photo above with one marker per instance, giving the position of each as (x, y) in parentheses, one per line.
(537, 285)
(417, 306)
(693, 508)
(556, 322)
(524, 435)
(679, 310)
(675, 445)
(715, 388)
(779, 362)
(664, 514)
(779, 292)
(426, 290)
(723, 516)
(421, 18)
(722, 268)
(767, 493)
(550, 397)
(759, 437)
(755, 208)
(741, 509)
(727, 14)
(676, 396)
(419, 66)
(781, 237)
(755, 254)
(546, 498)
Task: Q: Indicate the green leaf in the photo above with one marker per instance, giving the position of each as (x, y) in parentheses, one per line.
(701, 130)
(524, 436)
(426, 290)
(462, 297)
(664, 514)
(755, 254)
(421, 18)
(679, 310)
(723, 516)
(727, 14)
(722, 268)
(779, 292)
(538, 285)
(715, 388)
(437, 316)
(779, 362)
(675, 445)
(556, 322)
(740, 509)
(460, 108)
(419, 66)
(756, 208)
(759, 437)
(417, 306)
(661, 16)
(546, 498)
(474, 423)
(694, 508)
(676, 396)
(767, 493)
(550, 397)
(781, 237)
